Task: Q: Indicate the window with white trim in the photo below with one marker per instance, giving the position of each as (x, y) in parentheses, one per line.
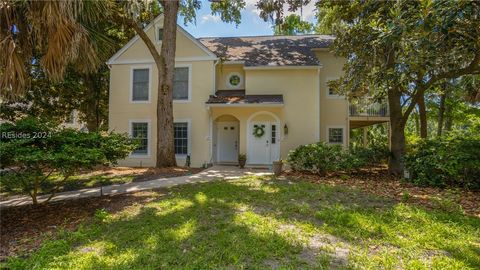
(159, 34)
(331, 93)
(140, 133)
(140, 84)
(335, 135)
(180, 138)
(180, 83)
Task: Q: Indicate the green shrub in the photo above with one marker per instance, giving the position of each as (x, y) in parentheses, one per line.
(447, 161)
(322, 158)
(33, 151)
(317, 158)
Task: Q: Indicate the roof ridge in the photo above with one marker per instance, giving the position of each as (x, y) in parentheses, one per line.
(304, 35)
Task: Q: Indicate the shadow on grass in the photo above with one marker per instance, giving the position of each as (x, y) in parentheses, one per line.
(236, 225)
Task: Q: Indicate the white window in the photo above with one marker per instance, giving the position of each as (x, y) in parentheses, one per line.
(181, 84)
(330, 91)
(274, 134)
(140, 131)
(180, 138)
(335, 135)
(159, 34)
(140, 84)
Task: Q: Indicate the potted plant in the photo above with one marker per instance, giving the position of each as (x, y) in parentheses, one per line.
(242, 159)
(277, 167)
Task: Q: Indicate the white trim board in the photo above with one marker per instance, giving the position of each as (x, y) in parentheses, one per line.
(281, 67)
(177, 59)
(246, 105)
(130, 43)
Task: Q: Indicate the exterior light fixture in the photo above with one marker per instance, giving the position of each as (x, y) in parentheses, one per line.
(285, 129)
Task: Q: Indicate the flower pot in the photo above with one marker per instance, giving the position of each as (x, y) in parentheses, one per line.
(277, 167)
(241, 163)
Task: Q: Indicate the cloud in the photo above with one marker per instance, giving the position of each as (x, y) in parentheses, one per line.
(210, 18)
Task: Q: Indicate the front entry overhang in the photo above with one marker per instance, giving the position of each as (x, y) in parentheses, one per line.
(238, 98)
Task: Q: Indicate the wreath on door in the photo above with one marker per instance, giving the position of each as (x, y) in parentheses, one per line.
(258, 131)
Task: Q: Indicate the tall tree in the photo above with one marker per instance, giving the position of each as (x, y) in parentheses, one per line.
(133, 14)
(293, 25)
(401, 49)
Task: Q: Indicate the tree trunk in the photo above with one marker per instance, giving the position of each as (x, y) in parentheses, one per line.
(448, 117)
(165, 63)
(397, 148)
(422, 112)
(165, 144)
(441, 110)
(417, 123)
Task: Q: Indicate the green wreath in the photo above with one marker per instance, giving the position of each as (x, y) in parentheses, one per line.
(258, 131)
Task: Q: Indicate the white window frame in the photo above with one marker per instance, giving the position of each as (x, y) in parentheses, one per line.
(157, 41)
(230, 86)
(134, 67)
(149, 136)
(343, 134)
(189, 136)
(189, 66)
(329, 96)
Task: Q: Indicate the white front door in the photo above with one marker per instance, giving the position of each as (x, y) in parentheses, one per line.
(266, 148)
(227, 142)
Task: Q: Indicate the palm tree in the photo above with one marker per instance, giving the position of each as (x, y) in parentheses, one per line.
(51, 33)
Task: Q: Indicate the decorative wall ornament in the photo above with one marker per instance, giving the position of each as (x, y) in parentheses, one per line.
(258, 131)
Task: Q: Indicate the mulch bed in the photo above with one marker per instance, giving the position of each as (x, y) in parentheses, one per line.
(379, 182)
(24, 228)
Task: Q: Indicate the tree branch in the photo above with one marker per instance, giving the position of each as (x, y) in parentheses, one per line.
(472, 68)
(143, 35)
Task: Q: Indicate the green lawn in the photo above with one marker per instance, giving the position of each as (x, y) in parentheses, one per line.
(259, 223)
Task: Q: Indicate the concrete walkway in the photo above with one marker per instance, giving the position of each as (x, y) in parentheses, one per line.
(207, 175)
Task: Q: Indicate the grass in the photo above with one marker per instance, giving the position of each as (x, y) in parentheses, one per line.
(263, 223)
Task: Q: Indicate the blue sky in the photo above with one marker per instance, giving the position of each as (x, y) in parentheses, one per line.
(208, 25)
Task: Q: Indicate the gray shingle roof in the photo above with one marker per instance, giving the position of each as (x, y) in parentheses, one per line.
(239, 97)
(269, 50)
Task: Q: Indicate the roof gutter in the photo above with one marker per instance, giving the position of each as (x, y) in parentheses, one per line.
(226, 105)
(282, 67)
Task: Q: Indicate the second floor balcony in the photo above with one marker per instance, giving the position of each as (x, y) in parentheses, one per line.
(367, 107)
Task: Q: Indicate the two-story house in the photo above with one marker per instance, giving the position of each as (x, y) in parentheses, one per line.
(262, 96)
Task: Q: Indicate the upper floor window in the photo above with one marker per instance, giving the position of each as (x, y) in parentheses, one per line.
(140, 84)
(331, 93)
(335, 135)
(181, 83)
(159, 34)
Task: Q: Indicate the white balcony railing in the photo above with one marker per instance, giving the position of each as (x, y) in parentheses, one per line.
(366, 107)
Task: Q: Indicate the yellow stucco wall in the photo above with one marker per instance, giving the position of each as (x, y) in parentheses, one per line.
(299, 88)
(122, 111)
(333, 110)
(185, 47)
(223, 74)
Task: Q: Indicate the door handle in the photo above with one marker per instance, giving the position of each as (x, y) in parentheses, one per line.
(236, 145)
